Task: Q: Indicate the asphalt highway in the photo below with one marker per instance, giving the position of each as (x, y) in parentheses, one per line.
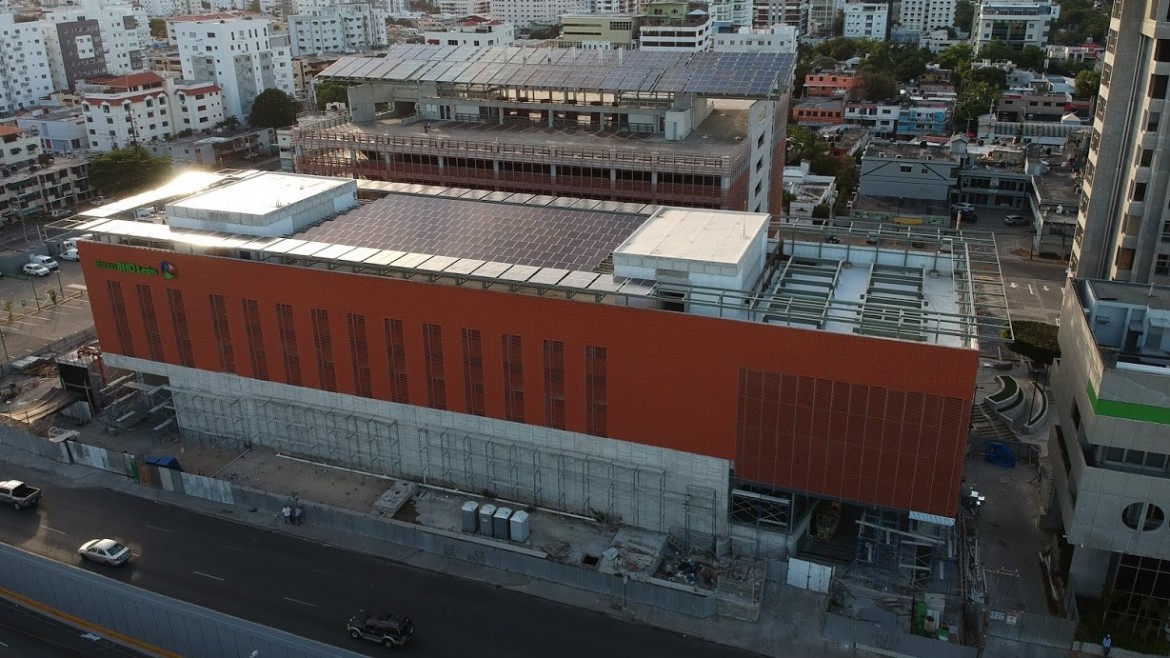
(28, 634)
(309, 589)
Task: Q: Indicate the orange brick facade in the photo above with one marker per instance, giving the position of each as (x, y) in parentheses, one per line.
(872, 421)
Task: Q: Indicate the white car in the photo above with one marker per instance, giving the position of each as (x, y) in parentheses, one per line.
(35, 269)
(1014, 220)
(106, 551)
(69, 254)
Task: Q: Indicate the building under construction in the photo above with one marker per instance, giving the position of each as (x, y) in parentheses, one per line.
(687, 129)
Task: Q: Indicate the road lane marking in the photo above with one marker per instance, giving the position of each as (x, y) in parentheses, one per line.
(60, 532)
(311, 605)
(1031, 290)
(1013, 284)
(207, 575)
(154, 527)
(3, 645)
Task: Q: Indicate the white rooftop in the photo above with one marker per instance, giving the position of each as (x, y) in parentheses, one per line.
(696, 234)
(185, 183)
(259, 195)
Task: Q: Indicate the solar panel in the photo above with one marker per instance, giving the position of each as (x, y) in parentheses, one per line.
(566, 238)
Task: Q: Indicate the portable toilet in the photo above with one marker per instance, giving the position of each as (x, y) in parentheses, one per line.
(500, 528)
(486, 512)
(470, 516)
(519, 525)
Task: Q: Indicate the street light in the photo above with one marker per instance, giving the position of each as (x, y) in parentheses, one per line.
(34, 289)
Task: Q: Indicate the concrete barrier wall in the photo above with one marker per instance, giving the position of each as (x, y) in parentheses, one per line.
(34, 445)
(113, 461)
(147, 621)
(886, 641)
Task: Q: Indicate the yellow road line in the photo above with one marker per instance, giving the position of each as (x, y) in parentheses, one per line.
(89, 626)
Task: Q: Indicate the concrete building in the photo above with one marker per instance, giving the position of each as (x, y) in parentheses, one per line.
(684, 26)
(225, 148)
(524, 13)
(405, 337)
(60, 131)
(914, 171)
(166, 62)
(25, 72)
(880, 118)
(196, 106)
(475, 31)
(34, 182)
(808, 191)
(1111, 450)
(696, 129)
(1033, 106)
(791, 13)
(1017, 23)
(923, 17)
(839, 84)
(237, 53)
(775, 39)
(131, 109)
(604, 7)
(819, 112)
(342, 28)
(465, 7)
(95, 37)
(306, 68)
(866, 20)
(1123, 223)
(598, 31)
(925, 118)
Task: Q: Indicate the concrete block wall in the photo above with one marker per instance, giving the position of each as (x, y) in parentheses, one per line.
(643, 486)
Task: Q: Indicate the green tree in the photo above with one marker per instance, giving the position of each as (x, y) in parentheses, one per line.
(955, 56)
(964, 15)
(158, 28)
(1080, 21)
(254, 6)
(910, 63)
(273, 109)
(1036, 341)
(805, 144)
(331, 92)
(998, 51)
(126, 170)
(1087, 82)
(1031, 58)
(974, 101)
(838, 48)
(878, 86)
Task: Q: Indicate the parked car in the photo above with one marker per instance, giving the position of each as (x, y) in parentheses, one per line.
(1014, 220)
(36, 269)
(69, 254)
(42, 259)
(832, 239)
(106, 551)
(962, 206)
(19, 494)
(388, 628)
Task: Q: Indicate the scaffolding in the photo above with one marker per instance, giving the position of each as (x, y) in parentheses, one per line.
(916, 556)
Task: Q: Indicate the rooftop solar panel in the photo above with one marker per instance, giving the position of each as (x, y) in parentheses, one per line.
(536, 236)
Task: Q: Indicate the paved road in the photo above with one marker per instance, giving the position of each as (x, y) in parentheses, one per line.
(309, 589)
(27, 634)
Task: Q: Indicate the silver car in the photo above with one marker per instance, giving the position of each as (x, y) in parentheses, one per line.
(106, 551)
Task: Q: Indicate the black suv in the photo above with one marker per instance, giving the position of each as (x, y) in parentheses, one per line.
(390, 629)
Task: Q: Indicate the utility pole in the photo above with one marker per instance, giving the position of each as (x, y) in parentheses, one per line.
(998, 574)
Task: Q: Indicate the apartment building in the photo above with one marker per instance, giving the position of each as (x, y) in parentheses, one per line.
(465, 7)
(237, 53)
(773, 39)
(818, 112)
(523, 13)
(880, 118)
(1017, 23)
(599, 31)
(342, 28)
(913, 171)
(475, 31)
(126, 110)
(1123, 232)
(695, 129)
(671, 25)
(791, 13)
(196, 106)
(60, 131)
(922, 17)
(844, 84)
(866, 20)
(925, 118)
(25, 71)
(34, 182)
(95, 37)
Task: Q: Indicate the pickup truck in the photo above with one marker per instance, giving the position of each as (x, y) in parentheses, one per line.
(18, 494)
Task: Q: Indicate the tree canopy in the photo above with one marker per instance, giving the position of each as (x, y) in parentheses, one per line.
(158, 28)
(331, 92)
(1079, 22)
(964, 15)
(879, 86)
(126, 170)
(1087, 82)
(273, 109)
(1036, 341)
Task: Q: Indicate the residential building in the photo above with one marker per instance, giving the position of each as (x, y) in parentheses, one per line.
(196, 106)
(225, 148)
(866, 20)
(235, 52)
(791, 13)
(818, 112)
(306, 68)
(880, 118)
(474, 31)
(923, 17)
(939, 40)
(820, 17)
(33, 182)
(1088, 53)
(676, 25)
(1110, 451)
(775, 39)
(524, 13)
(912, 171)
(605, 7)
(807, 191)
(465, 7)
(599, 31)
(18, 148)
(843, 84)
(300, 312)
(342, 28)
(131, 109)
(25, 72)
(925, 118)
(1026, 106)
(95, 37)
(169, 8)
(1054, 208)
(697, 129)
(1017, 23)
(1042, 133)
(60, 131)
(996, 176)
(1123, 230)
(166, 62)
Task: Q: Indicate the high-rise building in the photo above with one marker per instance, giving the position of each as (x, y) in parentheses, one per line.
(1122, 228)
(95, 37)
(923, 16)
(1017, 23)
(24, 64)
(342, 28)
(866, 20)
(237, 52)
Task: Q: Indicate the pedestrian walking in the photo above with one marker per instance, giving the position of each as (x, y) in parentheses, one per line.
(287, 512)
(298, 516)
(1107, 644)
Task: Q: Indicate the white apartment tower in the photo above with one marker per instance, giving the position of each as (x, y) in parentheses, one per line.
(924, 16)
(1017, 23)
(95, 37)
(24, 64)
(237, 52)
(866, 20)
(1123, 226)
(523, 13)
(342, 28)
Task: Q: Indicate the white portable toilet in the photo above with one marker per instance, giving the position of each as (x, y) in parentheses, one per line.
(519, 526)
(470, 516)
(500, 529)
(486, 512)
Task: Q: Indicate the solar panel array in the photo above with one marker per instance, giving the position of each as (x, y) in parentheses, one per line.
(732, 75)
(539, 236)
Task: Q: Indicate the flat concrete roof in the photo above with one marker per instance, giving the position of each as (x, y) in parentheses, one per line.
(700, 235)
(261, 194)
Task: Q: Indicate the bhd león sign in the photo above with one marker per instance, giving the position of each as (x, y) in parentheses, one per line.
(166, 270)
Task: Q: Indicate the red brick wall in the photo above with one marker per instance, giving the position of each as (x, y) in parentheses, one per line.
(675, 381)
